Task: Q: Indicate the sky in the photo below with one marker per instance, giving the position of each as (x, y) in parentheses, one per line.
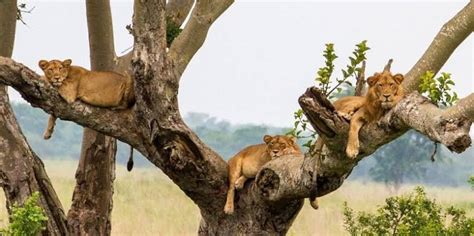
(260, 56)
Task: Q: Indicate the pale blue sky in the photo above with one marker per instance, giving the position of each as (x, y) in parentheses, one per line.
(261, 55)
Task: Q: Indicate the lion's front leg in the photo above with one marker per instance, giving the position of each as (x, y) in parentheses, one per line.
(68, 91)
(50, 128)
(352, 149)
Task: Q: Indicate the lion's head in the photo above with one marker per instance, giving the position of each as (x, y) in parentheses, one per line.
(280, 145)
(385, 89)
(55, 71)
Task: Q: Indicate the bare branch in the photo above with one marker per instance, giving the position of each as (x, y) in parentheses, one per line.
(194, 34)
(178, 10)
(360, 84)
(453, 33)
(101, 35)
(389, 65)
(119, 124)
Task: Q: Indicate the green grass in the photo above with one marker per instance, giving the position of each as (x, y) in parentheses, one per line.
(146, 202)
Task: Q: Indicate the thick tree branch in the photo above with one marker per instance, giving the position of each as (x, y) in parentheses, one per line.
(101, 35)
(178, 10)
(324, 173)
(453, 33)
(171, 145)
(464, 107)
(119, 124)
(194, 34)
(7, 26)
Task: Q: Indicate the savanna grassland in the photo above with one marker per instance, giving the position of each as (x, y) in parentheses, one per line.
(146, 202)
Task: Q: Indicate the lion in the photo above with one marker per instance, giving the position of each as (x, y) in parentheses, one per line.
(246, 163)
(101, 89)
(384, 93)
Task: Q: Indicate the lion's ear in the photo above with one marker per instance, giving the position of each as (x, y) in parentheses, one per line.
(292, 138)
(267, 138)
(373, 79)
(67, 62)
(43, 64)
(399, 78)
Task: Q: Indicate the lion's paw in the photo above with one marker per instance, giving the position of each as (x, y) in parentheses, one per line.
(239, 183)
(229, 209)
(352, 151)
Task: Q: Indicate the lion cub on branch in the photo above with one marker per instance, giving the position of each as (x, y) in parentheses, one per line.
(246, 164)
(102, 89)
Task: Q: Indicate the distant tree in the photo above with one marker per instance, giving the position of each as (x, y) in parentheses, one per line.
(471, 181)
(406, 158)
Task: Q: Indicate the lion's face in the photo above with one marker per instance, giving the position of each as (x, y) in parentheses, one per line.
(384, 88)
(280, 145)
(55, 71)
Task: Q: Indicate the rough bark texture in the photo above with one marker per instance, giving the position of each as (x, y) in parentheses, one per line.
(324, 173)
(21, 171)
(92, 200)
(91, 208)
(154, 126)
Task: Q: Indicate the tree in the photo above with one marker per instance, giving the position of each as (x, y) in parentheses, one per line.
(405, 158)
(269, 204)
(92, 200)
(21, 171)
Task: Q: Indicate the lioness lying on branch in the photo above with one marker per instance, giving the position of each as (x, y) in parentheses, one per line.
(246, 164)
(97, 88)
(102, 89)
(384, 93)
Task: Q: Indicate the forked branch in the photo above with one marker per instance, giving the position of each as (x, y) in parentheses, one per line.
(194, 34)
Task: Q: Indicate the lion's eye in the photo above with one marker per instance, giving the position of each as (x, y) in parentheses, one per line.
(380, 85)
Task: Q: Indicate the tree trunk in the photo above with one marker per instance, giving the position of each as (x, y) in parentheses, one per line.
(252, 216)
(155, 127)
(21, 171)
(91, 208)
(92, 200)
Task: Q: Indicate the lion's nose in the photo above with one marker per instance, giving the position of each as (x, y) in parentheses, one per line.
(386, 96)
(275, 151)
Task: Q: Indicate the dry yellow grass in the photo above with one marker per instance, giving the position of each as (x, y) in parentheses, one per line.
(146, 202)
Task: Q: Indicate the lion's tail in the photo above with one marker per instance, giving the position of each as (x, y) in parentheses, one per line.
(314, 202)
(130, 160)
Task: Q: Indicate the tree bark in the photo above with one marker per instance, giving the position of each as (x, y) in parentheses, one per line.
(155, 127)
(21, 171)
(91, 208)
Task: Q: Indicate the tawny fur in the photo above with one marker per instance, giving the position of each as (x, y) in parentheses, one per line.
(102, 89)
(246, 164)
(384, 93)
